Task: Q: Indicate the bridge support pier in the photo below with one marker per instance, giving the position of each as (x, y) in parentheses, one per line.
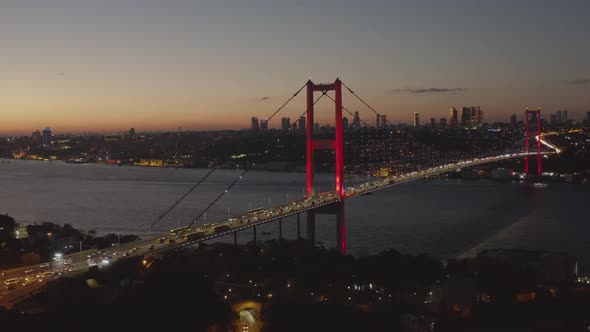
(311, 226)
(334, 209)
(298, 227)
(340, 228)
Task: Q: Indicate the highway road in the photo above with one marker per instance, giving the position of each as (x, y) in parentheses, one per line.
(19, 282)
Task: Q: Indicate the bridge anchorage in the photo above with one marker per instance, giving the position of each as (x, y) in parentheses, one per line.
(336, 144)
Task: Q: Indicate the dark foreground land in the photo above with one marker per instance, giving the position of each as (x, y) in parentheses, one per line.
(295, 286)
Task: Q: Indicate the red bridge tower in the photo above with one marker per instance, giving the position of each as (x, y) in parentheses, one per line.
(532, 129)
(337, 145)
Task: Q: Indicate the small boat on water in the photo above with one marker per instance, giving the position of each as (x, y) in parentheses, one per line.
(540, 185)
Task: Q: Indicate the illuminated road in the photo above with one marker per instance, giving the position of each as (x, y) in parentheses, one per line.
(18, 283)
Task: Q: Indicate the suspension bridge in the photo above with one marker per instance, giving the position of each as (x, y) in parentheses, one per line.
(312, 204)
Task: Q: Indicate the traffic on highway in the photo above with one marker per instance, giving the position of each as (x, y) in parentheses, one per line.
(27, 279)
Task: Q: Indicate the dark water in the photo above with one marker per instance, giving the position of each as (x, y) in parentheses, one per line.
(443, 218)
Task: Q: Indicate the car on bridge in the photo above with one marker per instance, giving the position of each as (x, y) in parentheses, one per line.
(194, 236)
(221, 228)
(11, 283)
(29, 280)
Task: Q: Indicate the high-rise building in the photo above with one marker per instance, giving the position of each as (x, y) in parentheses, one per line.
(587, 115)
(442, 123)
(453, 117)
(471, 116)
(255, 126)
(432, 123)
(416, 119)
(477, 116)
(345, 123)
(132, 132)
(302, 123)
(465, 116)
(513, 120)
(356, 121)
(564, 116)
(383, 120)
(36, 142)
(286, 123)
(558, 117)
(263, 124)
(378, 121)
(47, 137)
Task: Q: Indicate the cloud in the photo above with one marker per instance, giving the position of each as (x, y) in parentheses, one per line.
(576, 82)
(264, 98)
(429, 90)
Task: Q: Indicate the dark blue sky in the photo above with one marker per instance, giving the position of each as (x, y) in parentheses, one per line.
(113, 64)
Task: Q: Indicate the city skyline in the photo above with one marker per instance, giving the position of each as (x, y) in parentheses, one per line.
(214, 65)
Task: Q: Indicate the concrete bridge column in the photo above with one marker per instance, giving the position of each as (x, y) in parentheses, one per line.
(298, 227)
(311, 226)
(340, 228)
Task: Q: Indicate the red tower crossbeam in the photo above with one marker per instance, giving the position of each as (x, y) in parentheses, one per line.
(337, 144)
(529, 117)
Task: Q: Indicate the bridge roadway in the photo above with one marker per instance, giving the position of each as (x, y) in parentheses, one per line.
(30, 278)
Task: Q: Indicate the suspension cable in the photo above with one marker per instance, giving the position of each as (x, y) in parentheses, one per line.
(347, 111)
(181, 198)
(305, 112)
(285, 104)
(359, 98)
(212, 203)
(235, 181)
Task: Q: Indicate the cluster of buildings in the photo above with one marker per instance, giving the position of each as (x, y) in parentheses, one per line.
(300, 125)
(471, 117)
(558, 117)
(42, 139)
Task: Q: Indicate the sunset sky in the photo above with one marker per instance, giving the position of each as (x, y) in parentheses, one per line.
(108, 65)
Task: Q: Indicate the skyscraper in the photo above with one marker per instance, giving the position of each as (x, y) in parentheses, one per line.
(263, 124)
(432, 123)
(443, 123)
(564, 116)
(453, 117)
(383, 120)
(471, 116)
(378, 121)
(302, 123)
(416, 119)
(36, 138)
(286, 123)
(132, 133)
(47, 137)
(356, 121)
(465, 116)
(344, 122)
(476, 116)
(255, 124)
(513, 120)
